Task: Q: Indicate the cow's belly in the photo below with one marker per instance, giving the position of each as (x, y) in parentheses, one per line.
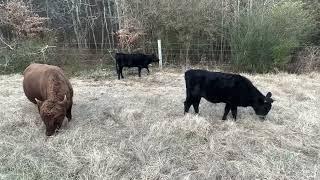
(32, 93)
(213, 99)
(31, 88)
(217, 97)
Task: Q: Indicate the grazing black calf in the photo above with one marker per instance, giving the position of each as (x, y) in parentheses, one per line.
(134, 60)
(232, 89)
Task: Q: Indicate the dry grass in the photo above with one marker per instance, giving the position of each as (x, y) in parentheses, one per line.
(135, 129)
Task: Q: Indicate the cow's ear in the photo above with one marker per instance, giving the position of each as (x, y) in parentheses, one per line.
(39, 103)
(269, 94)
(268, 97)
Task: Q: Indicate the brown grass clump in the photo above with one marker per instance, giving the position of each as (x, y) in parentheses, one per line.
(308, 60)
(135, 129)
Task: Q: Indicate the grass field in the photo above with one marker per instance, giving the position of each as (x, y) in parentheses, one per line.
(135, 129)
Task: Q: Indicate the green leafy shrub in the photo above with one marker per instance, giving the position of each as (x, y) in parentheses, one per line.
(264, 38)
(24, 53)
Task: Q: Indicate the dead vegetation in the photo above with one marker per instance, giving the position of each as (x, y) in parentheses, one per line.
(135, 129)
(308, 60)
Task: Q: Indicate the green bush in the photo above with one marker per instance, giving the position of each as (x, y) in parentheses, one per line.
(16, 60)
(263, 39)
(71, 59)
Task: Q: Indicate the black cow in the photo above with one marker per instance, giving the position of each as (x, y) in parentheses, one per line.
(134, 60)
(232, 89)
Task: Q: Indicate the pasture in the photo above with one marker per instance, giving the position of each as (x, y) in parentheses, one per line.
(135, 129)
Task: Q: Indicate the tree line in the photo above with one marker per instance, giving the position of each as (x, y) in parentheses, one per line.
(251, 35)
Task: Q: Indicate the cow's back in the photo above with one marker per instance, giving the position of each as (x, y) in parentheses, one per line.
(36, 79)
(219, 87)
(131, 60)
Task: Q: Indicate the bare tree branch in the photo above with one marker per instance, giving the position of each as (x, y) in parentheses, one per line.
(10, 47)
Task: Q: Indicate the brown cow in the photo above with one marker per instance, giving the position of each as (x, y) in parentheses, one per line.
(48, 87)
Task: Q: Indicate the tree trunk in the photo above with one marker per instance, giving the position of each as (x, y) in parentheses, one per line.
(187, 54)
(222, 33)
(92, 27)
(106, 22)
(111, 25)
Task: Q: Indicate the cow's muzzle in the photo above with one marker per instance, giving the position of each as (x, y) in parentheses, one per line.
(262, 117)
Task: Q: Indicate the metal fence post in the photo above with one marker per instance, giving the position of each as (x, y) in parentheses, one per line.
(160, 54)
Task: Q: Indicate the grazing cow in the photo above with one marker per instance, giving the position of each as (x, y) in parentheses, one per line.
(48, 87)
(232, 89)
(134, 60)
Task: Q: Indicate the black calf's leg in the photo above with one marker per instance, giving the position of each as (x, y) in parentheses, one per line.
(148, 69)
(120, 69)
(196, 103)
(118, 72)
(139, 69)
(226, 111)
(234, 112)
(187, 104)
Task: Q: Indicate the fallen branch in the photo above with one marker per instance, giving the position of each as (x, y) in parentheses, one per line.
(43, 51)
(109, 51)
(10, 47)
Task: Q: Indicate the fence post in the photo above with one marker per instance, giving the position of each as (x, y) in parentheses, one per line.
(160, 54)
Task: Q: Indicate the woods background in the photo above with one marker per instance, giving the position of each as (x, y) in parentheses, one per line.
(242, 35)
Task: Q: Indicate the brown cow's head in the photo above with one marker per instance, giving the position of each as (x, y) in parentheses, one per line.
(52, 114)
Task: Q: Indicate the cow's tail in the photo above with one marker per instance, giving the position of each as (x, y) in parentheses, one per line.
(117, 67)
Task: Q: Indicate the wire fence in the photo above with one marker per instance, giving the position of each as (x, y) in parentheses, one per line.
(173, 54)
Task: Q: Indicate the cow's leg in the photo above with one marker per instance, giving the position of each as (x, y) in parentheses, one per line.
(148, 69)
(187, 104)
(226, 111)
(118, 72)
(120, 69)
(68, 115)
(196, 102)
(234, 112)
(139, 70)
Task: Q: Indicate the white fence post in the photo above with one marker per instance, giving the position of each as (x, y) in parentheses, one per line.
(160, 54)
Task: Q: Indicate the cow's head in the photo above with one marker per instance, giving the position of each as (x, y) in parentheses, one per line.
(154, 58)
(262, 105)
(52, 114)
